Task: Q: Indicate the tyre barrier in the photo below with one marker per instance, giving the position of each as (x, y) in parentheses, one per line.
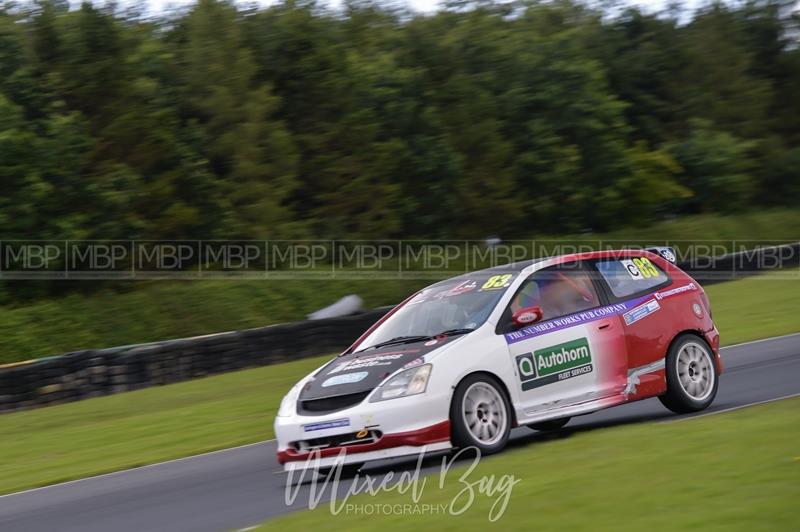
(96, 372)
(730, 266)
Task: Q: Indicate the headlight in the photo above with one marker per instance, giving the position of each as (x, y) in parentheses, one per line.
(409, 382)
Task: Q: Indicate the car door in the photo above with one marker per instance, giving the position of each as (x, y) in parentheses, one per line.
(633, 280)
(576, 352)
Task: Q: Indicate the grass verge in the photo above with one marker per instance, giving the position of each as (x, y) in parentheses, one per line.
(95, 436)
(757, 307)
(724, 472)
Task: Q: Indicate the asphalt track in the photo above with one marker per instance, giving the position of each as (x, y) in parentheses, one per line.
(240, 487)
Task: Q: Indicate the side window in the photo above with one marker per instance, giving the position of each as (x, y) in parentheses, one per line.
(631, 276)
(558, 290)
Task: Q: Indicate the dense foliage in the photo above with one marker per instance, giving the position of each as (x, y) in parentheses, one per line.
(371, 122)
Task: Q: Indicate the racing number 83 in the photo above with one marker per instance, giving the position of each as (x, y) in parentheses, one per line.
(497, 281)
(646, 267)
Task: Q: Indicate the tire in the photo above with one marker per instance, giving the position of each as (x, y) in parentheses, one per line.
(551, 424)
(348, 470)
(692, 377)
(480, 414)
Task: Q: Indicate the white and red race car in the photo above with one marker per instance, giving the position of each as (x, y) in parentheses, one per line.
(463, 361)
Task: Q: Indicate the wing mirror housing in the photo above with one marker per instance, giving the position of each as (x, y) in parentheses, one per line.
(526, 316)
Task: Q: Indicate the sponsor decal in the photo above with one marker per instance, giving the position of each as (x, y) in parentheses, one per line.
(698, 310)
(632, 269)
(555, 363)
(414, 363)
(668, 254)
(675, 291)
(430, 343)
(460, 288)
(347, 378)
(322, 425)
(442, 292)
(526, 366)
(366, 362)
(640, 268)
(572, 320)
(528, 317)
(632, 316)
(635, 373)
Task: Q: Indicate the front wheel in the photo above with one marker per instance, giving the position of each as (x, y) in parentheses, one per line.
(692, 378)
(480, 414)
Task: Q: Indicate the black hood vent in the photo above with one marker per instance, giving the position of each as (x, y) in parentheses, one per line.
(326, 405)
(347, 380)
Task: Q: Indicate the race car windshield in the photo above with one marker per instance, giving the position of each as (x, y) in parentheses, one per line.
(452, 306)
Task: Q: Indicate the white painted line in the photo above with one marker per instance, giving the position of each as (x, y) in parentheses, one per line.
(761, 340)
(147, 466)
(731, 409)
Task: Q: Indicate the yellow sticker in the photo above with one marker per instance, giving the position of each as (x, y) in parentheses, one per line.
(646, 267)
(497, 281)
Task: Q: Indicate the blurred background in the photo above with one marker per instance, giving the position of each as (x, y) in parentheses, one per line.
(479, 123)
(376, 120)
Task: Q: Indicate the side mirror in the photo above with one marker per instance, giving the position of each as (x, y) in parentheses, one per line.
(526, 316)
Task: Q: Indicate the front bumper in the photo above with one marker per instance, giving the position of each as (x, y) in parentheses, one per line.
(430, 439)
(397, 427)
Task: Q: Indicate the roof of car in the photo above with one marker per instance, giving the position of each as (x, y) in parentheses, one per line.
(516, 267)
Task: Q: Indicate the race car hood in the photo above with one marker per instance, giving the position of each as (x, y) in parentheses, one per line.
(362, 371)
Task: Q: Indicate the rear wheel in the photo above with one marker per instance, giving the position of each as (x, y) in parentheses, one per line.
(480, 414)
(551, 424)
(692, 378)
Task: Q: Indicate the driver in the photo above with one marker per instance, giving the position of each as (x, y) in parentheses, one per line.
(555, 296)
(528, 296)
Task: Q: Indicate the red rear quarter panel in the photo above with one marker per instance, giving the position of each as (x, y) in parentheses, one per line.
(684, 308)
(648, 340)
(682, 305)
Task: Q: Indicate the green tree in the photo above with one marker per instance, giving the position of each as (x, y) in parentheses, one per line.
(248, 151)
(717, 82)
(717, 168)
